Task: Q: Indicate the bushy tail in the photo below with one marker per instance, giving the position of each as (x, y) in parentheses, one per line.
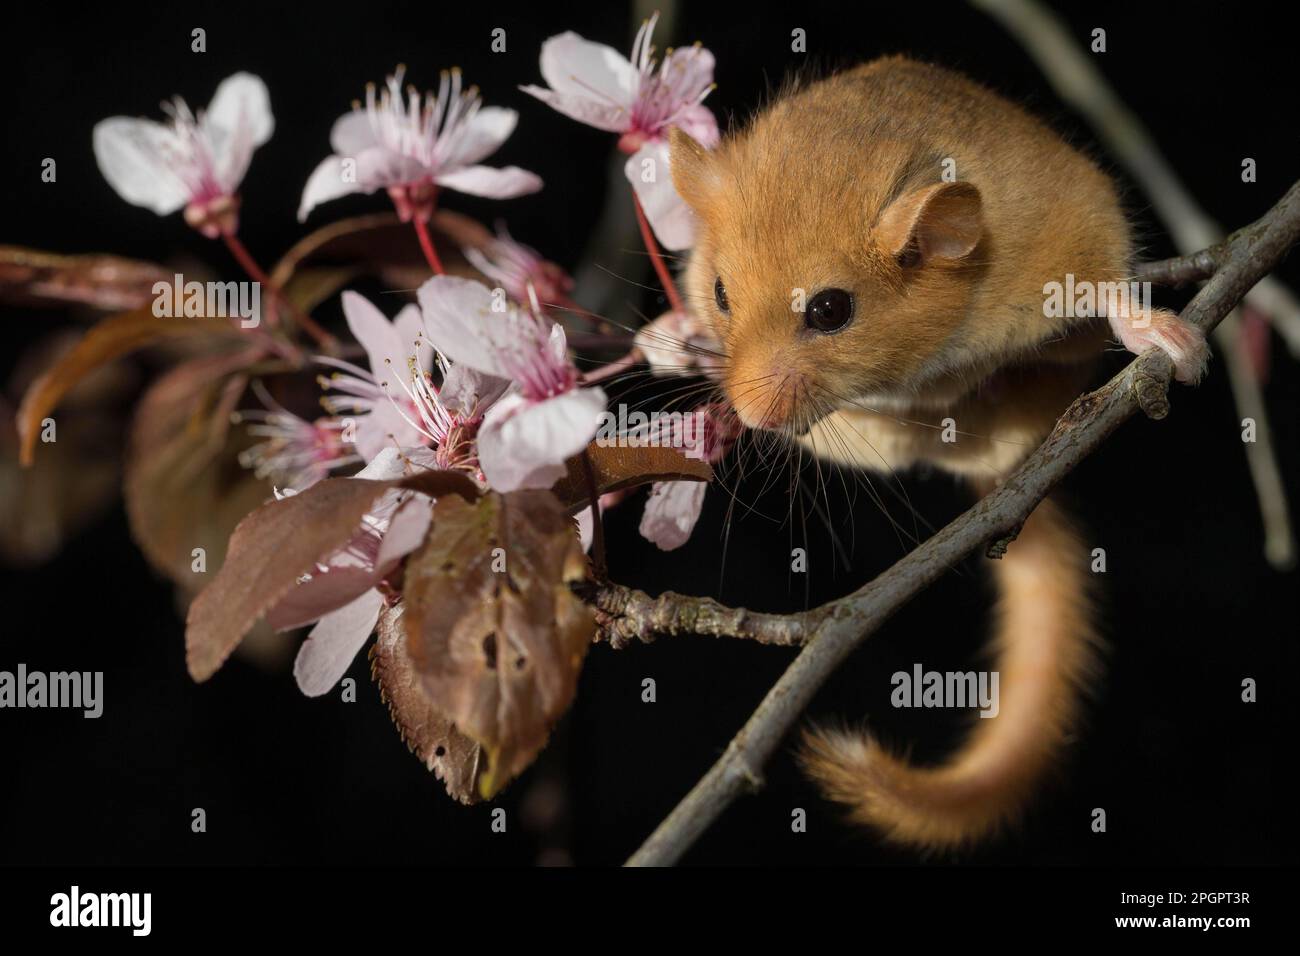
(1045, 649)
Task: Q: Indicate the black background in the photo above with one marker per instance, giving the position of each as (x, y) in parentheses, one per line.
(1186, 771)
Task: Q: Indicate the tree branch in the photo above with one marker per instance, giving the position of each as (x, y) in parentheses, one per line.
(836, 629)
(1181, 270)
(625, 615)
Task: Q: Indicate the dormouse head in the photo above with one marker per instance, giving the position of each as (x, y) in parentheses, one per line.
(826, 282)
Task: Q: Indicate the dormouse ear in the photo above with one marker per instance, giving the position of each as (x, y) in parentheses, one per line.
(695, 173)
(939, 221)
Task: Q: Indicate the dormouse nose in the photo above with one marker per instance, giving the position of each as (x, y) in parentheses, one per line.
(766, 400)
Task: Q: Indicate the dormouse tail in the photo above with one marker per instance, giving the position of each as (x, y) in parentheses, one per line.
(1045, 650)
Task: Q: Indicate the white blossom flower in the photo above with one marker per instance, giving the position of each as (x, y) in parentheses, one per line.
(396, 402)
(545, 418)
(413, 145)
(191, 162)
(640, 100)
(515, 266)
(292, 452)
(674, 507)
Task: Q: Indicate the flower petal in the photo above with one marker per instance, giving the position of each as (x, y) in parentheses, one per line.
(700, 123)
(237, 122)
(352, 133)
(405, 532)
(586, 529)
(467, 391)
(332, 644)
(386, 465)
(380, 167)
(482, 135)
(491, 182)
(671, 219)
(410, 332)
(671, 512)
(320, 595)
(607, 116)
(383, 427)
(577, 67)
(461, 323)
(242, 102)
(678, 343)
(132, 156)
(324, 184)
(524, 444)
(377, 335)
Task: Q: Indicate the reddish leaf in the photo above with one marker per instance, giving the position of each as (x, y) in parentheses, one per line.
(493, 628)
(427, 733)
(276, 545)
(107, 340)
(184, 487)
(73, 481)
(29, 276)
(76, 477)
(624, 467)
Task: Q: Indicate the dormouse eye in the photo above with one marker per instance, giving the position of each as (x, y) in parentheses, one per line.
(829, 310)
(720, 296)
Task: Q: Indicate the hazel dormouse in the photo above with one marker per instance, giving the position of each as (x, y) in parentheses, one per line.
(876, 253)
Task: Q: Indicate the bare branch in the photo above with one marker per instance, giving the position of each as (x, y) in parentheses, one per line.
(625, 615)
(1181, 270)
(837, 628)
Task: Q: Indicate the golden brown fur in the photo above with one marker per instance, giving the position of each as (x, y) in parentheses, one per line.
(841, 185)
(1044, 652)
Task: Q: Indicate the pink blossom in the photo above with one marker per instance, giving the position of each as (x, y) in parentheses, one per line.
(413, 145)
(293, 452)
(674, 507)
(194, 162)
(384, 414)
(545, 418)
(640, 100)
(396, 403)
(679, 343)
(671, 512)
(515, 266)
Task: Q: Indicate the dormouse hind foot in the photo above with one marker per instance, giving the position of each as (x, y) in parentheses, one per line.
(1164, 330)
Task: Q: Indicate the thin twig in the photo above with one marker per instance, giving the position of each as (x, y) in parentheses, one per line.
(625, 615)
